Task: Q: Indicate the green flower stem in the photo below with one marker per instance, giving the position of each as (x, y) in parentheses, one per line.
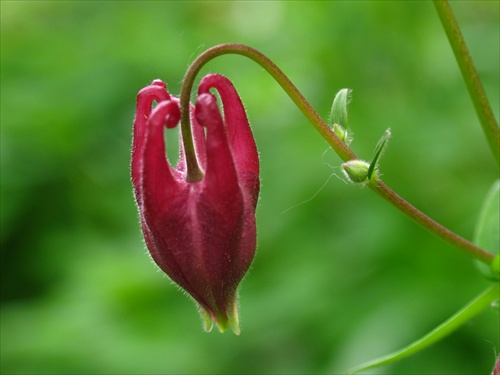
(470, 76)
(342, 150)
(473, 308)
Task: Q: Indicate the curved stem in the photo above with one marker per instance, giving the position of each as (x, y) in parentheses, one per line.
(340, 147)
(342, 150)
(470, 76)
(451, 237)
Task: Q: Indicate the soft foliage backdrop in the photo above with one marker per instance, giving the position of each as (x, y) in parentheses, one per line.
(340, 276)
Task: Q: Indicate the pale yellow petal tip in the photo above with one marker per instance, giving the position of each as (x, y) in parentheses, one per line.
(231, 321)
(207, 319)
(234, 321)
(222, 322)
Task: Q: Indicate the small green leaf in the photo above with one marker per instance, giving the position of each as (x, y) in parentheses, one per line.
(487, 234)
(378, 151)
(476, 306)
(338, 113)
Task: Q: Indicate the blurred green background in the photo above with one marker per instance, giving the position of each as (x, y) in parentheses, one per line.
(340, 276)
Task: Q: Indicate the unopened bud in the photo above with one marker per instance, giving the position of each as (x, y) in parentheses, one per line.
(356, 170)
(342, 133)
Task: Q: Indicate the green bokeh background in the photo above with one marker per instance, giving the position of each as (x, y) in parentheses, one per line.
(340, 276)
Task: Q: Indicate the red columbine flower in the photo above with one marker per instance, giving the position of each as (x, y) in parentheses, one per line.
(202, 234)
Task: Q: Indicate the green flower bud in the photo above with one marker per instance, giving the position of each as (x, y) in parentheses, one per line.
(342, 133)
(356, 170)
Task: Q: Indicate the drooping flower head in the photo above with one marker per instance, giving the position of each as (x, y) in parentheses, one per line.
(201, 234)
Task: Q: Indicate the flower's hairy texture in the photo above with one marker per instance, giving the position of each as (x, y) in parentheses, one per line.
(201, 234)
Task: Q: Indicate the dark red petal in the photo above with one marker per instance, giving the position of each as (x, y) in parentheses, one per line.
(157, 175)
(220, 176)
(219, 208)
(240, 135)
(145, 97)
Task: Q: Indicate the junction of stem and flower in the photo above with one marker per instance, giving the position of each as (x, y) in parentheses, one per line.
(338, 145)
